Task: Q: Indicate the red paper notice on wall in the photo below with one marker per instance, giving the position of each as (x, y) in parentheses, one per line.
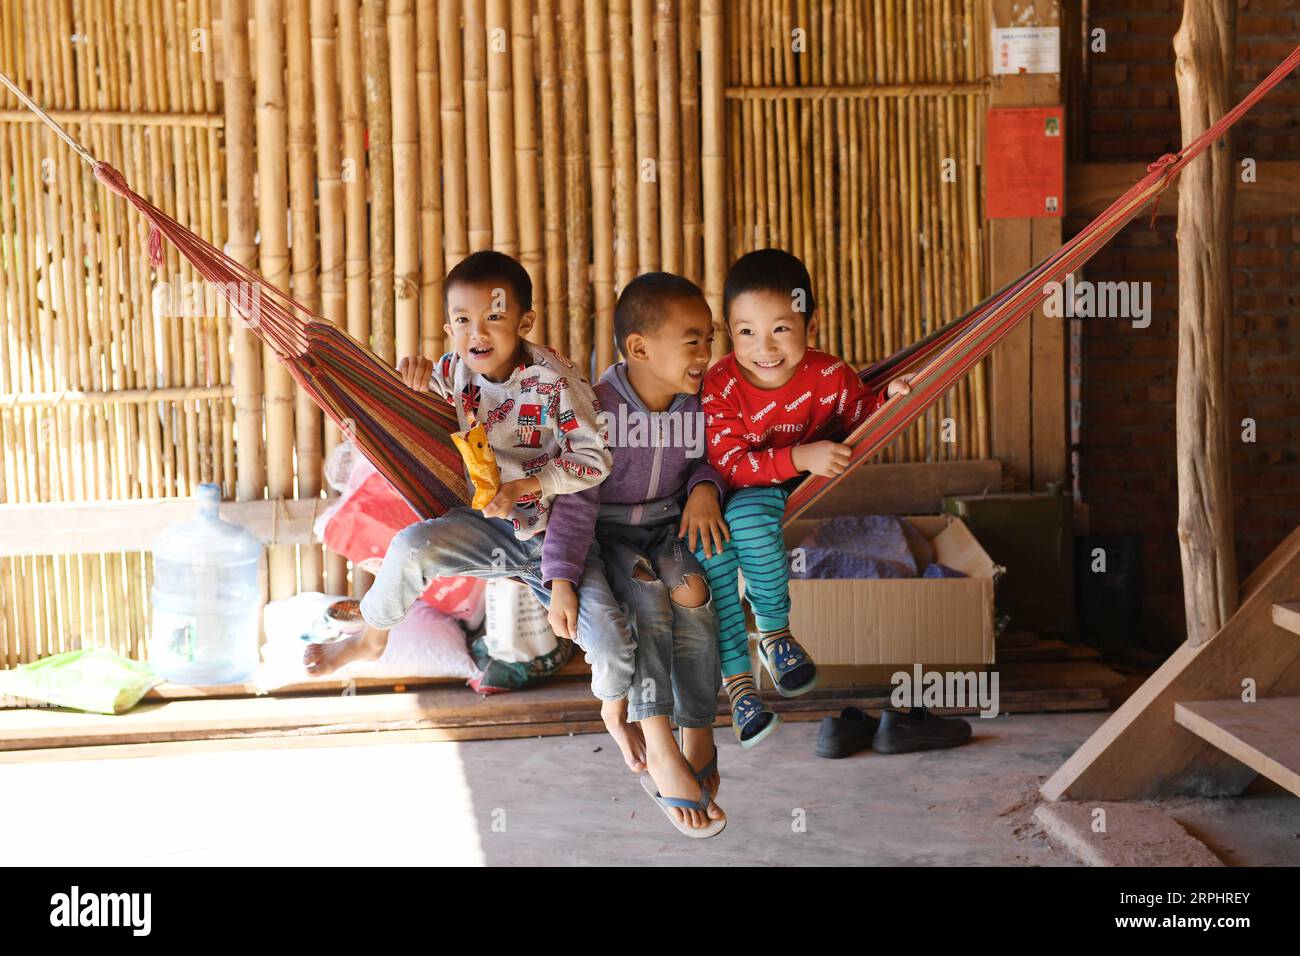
(1024, 163)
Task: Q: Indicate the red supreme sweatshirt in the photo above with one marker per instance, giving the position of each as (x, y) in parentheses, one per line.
(752, 431)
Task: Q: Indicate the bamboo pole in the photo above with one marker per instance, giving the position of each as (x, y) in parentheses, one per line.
(273, 264)
(553, 178)
(451, 95)
(713, 161)
(623, 118)
(527, 184)
(354, 173)
(577, 232)
(501, 130)
(406, 176)
(601, 165)
(647, 136)
(432, 253)
(305, 261)
(237, 83)
(477, 157)
(689, 96)
(379, 132)
(668, 122)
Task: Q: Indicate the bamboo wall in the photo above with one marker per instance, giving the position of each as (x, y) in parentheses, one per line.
(353, 150)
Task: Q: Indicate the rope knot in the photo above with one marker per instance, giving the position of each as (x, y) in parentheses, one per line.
(115, 182)
(1168, 159)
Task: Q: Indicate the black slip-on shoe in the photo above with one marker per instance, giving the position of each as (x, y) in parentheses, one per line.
(845, 735)
(901, 731)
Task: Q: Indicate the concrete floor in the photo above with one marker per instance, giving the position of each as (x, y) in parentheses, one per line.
(569, 800)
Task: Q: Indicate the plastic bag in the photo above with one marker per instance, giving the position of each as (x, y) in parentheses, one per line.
(361, 524)
(426, 643)
(481, 463)
(91, 679)
(518, 646)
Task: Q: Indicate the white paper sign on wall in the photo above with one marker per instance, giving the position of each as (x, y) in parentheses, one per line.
(1026, 50)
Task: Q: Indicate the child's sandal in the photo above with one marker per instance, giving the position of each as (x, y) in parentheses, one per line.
(782, 657)
(748, 712)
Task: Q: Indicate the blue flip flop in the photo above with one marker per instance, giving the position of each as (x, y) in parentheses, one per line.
(747, 709)
(702, 805)
(781, 658)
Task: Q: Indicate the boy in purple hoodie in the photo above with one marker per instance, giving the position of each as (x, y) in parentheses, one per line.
(661, 501)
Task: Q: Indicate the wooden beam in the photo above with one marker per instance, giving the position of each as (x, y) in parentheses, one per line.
(1091, 187)
(1029, 402)
(1141, 752)
(97, 527)
(1204, 47)
(909, 487)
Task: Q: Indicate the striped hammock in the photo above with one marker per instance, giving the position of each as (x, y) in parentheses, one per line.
(406, 434)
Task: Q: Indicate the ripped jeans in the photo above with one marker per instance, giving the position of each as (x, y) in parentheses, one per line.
(677, 672)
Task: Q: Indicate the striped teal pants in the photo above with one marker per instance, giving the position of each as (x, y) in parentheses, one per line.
(756, 548)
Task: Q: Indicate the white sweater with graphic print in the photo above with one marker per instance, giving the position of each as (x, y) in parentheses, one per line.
(542, 421)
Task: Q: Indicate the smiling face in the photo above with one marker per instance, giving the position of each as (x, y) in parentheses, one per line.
(486, 328)
(769, 337)
(673, 357)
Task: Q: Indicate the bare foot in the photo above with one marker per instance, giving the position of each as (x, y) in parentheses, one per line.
(322, 659)
(698, 749)
(628, 736)
(674, 778)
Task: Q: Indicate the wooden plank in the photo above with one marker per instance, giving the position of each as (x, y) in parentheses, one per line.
(1138, 752)
(908, 488)
(1091, 187)
(1263, 734)
(554, 708)
(1287, 615)
(95, 527)
(1028, 702)
(1018, 416)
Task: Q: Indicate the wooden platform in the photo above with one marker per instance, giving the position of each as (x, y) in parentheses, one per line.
(440, 712)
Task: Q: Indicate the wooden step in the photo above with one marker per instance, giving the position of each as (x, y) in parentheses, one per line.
(1264, 735)
(1287, 615)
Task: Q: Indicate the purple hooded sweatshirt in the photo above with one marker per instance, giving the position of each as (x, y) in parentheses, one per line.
(659, 458)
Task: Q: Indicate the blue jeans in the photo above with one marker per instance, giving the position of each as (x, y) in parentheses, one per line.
(463, 542)
(677, 672)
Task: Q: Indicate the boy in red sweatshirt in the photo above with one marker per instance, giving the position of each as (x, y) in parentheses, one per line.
(776, 410)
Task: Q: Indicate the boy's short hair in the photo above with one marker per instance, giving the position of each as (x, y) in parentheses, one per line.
(489, 267)
(641, 305)
(768, 270)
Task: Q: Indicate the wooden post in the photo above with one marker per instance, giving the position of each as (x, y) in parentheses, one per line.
(1028, 423)
(1204, 46)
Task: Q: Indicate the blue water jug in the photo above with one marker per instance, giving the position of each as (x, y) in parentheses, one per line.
(206, 599)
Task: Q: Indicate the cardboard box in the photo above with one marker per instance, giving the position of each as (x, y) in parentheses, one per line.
(901, 621)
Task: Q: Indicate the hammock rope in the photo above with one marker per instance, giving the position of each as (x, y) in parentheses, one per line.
(406, 434)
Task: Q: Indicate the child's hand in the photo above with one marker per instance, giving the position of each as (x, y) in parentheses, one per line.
(504, 501)
(702, 517)
(824, 458)
(900, 386)
(563, 612)
(415, 371)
